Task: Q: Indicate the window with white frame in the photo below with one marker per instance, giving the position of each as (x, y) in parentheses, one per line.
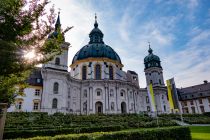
(37, 92)
(55, 88)
(57, 61)
(98, 72)
(36, 106)
(98, 93)
(54, 103)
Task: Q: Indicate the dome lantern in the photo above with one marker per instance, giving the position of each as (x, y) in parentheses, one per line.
(96, 48)
(96, 35)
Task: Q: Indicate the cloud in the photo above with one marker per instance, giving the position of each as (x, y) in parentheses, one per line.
(192, 4)
(191, 65)
(128, 26)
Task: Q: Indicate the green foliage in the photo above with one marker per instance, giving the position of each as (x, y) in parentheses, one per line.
(24, 26)
(42, 124)
(29, 120)
(7, 85)
(206, 114)
(168, 133)
(53, 132)
(189, 118)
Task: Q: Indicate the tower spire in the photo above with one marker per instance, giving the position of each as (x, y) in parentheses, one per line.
(58, 23)
(96, 23)
(150, 50)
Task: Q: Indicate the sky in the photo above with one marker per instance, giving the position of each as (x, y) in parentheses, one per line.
(178, 31)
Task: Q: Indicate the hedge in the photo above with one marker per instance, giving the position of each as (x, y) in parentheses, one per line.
(167, 133)
(36, 121)
(53, 132)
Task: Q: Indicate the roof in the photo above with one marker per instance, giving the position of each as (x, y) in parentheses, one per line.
(35, 78)
(132, 72)
(151, 60)
(193, 92)
(151, 56)
(96, 51)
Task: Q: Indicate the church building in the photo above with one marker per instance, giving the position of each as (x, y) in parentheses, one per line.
(95, 84)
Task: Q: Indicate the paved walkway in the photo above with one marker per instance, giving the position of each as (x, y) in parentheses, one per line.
(186, 124)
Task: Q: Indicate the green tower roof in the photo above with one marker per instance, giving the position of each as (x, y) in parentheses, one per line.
(151, 60)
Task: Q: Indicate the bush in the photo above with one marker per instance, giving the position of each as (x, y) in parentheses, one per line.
(167, 133)
(53, 132)
(206, 114)
(36, 121)
(175, 133)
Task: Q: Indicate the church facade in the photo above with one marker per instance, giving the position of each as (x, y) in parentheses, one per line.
(95, 84)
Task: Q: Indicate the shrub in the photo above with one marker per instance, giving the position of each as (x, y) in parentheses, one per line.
(53, 132)
(167, 133)
(206, 114)
(36, 121)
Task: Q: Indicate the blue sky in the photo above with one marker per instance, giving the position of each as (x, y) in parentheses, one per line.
(179, 32)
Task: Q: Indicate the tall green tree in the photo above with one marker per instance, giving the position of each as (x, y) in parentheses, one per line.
(24, 27)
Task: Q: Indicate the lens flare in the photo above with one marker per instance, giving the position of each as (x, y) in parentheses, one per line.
(30, 55)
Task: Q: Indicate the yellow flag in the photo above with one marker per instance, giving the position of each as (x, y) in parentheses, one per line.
(171, 104)
(151, 97)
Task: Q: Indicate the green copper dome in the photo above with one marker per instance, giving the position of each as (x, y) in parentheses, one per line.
(151, 60)
(96, 48)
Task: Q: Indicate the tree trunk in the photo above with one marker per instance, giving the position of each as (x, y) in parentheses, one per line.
(3, 111)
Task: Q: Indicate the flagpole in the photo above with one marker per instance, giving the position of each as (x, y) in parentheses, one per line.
(157, 117)
(180, 112)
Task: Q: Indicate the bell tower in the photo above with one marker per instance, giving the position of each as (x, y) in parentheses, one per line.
(153, 69)
(59, 62)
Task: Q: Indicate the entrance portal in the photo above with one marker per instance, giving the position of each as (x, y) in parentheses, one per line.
(99, 108)
(123, 108)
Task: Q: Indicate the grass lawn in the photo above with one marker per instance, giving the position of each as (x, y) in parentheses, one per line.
(200, 132)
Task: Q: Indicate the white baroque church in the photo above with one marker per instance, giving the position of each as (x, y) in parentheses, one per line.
(95, 84)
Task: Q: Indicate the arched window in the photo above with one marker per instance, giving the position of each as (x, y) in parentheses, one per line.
(85, 106)
(147, 99)
(85, 93)
(164, 107)
(20, 105)
(84, 73)
(110, 72)
(98, 72)
(111, 93)
(112, 106)
(98, 92)
(57, 61)
(159, 81)
(122, 93)
(55, 88)
(148, 108)
(54, 103)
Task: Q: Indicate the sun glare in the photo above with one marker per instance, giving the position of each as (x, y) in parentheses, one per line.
(30, 55)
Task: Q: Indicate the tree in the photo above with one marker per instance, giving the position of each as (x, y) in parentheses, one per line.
(24, 27)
